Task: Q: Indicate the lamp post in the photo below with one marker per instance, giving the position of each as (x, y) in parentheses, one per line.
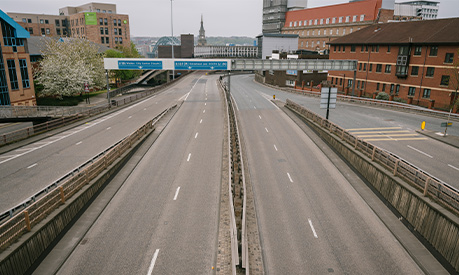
(108, 90)
(172, 43)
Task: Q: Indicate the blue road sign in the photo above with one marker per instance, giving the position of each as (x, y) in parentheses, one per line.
(140, 65)
(201, 65)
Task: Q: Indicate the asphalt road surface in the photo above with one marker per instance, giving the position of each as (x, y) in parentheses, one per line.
(164, 219)
(28, 169)
(388, 129)
(311, 219)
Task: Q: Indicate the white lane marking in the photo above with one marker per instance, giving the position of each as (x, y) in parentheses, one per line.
(206, 98)
(189, 156)
(78, 143)
(24, 149)
(275, 147)
(176, 193)
(205, 104)
(259, 116)
(195, 136)
(419, 151)
(109, 128)
(129, 117)
(312, 228)
(144, 109)
(290, 178)
(152, 264)
(266, 130)
(200, 121)
(254, 107)
(453, 167)
(204, 111)
(35, 164)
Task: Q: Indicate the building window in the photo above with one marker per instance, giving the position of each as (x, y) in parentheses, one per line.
(377, 86)
(294, 24)
(102, 40)
(347, 19)
(318, 32)
(64, 23)
(31, 30)
(82, 30)
(307, 44)
(417, 50)
(115, 31)
(371, 67)
(433, 51)
(383, 87)
(121, 40)
(57, 22)
(305, 22)
(24, 73)
(46, 21)
(391, 88)
(29, 20)
(106, 31)
(119, 22)
(47, 31)
(291, 24)
(116, 40)
(78, 31)
(352, 48)
(321, 21)
(362, 17)
(42, 31)
(430, 71)
(313, 32)
(42, 21)
(327, 21)
(378, 68)
(299, 23)
(333, 20)
(415, 70)
(109, 11)
(107, 40)
(449, 57)
(13, 76)
(411, 91)
(101, 30)
(105, 21)
(426, 93)
(377, 48)
(58, 31)
(397, 89)
(444, 80)
(331, 31)
(354, 18)
(388, 69)
(340, 19)
(358, 84)
(104, 11)
(310, 22)
(388, 48)
(101, 21)
(98, 10)
(364, 66)
(340, 81)
(363, 85)
(315, 21)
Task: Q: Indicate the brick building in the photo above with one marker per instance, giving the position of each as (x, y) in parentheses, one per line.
(318, 26)
(16, 81)
(96, 22)
(400, 59)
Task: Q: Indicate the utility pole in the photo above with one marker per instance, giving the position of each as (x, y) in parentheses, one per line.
(172, 42)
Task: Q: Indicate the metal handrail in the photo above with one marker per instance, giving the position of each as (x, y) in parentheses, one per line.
(429, 184)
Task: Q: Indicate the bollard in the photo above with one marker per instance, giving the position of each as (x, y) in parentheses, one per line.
(396, 167)
(61, 191)
(426, 188)
(27, 220)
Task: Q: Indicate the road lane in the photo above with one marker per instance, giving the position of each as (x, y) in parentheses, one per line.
(311, 219)
(357, 117)
(57, 155)
(164, 220)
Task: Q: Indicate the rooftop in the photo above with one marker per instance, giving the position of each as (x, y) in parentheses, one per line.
(440, 31)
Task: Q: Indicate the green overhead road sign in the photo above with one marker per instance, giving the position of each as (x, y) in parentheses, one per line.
(90, 18)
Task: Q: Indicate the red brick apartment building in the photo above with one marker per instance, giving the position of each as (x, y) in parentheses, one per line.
(414, 61)
(318, 26)
(16, 81)
(97, 22)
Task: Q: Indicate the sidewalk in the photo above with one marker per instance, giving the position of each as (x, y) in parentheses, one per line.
(449, 139)
(94, 100)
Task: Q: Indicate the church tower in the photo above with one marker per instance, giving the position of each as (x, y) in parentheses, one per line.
(202, 35)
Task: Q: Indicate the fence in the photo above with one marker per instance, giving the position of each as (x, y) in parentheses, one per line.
(58, 192)
(442, 192)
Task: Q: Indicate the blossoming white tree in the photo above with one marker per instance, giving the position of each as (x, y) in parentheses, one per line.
(67, 65)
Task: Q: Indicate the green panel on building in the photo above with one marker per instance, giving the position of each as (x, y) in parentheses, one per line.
(90, 18)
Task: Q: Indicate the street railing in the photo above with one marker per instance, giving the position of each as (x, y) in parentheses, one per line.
(25, 216)
(444, 193)
(42, 111)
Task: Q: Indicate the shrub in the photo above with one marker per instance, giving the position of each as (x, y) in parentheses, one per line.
(382, 96)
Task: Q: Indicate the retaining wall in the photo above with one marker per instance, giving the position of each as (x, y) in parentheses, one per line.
(435, 224)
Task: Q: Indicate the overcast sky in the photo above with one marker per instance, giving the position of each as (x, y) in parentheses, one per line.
(221, 17)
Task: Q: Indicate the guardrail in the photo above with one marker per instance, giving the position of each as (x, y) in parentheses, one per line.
(23, 217)
(442, 192)
(376, 102)
(237, 189)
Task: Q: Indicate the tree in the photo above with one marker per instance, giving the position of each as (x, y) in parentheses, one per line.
(67, 64)
(124, 52)
(454, 80)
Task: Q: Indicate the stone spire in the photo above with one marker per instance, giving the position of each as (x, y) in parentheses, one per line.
(202, 34)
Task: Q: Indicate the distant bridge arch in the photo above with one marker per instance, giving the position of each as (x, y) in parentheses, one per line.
(165, 41)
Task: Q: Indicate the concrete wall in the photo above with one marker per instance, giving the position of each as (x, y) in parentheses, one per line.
(438, 226)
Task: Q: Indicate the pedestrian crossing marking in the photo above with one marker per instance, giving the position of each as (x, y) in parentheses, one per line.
(385, 134)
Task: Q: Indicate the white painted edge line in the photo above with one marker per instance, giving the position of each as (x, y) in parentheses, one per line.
(312, 228)
(266, 130)
(109, 128)
(203, 111)
(275, 147)
(289, 177)
(200, 121)
(195, 136)
(78, 143)
(205, 104)
(419, 151)
(152, 264)
(453, 167)
(189, 156)
(268, 99)
(254, 107)
(35, 164)
(176, 193)
(129, 117)
(259, 116)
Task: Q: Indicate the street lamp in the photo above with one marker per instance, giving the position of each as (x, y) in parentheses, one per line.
(108, 89)
(172, 43)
